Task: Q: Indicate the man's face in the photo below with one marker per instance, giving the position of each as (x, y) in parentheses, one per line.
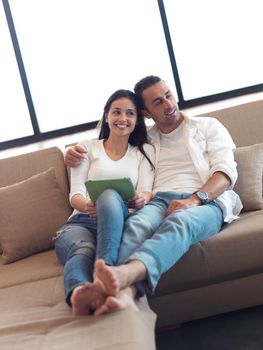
(161, 106)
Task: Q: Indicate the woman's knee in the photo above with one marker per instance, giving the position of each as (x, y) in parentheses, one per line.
(77, 248)
(108, 199)
(82, 247)
(73, 239)
(108, 196)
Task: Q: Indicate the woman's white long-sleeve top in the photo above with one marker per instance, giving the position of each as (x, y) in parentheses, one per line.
(97, 165)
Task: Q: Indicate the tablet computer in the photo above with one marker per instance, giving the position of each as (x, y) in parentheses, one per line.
(123, 186)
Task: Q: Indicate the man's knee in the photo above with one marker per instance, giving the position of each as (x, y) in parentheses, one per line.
(142, 222)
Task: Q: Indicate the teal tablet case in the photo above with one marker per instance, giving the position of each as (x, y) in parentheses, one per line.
(123, 186)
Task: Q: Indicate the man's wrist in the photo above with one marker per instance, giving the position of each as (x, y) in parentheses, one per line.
(202, 197)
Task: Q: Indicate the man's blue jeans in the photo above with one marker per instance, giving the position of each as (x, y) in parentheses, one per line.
(159, 240)
(82, 239)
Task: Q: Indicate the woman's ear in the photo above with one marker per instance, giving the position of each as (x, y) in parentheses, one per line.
(106, 117)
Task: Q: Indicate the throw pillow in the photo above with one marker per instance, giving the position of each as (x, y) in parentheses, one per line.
(31, 212)
(250, 171)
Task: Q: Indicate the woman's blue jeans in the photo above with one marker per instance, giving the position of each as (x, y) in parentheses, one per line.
(159, 240)
(83, 238)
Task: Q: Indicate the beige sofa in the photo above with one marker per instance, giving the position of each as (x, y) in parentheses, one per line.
(33, 312)
(221, 274)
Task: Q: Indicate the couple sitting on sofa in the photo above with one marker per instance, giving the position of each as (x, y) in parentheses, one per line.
(191, 163)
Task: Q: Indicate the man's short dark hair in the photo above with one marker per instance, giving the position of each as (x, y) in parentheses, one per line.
(143, 84)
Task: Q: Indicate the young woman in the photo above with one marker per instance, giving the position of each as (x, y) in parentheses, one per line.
(94, 230)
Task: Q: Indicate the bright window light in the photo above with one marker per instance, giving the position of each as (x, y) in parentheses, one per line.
(76, 53)
(217, 44)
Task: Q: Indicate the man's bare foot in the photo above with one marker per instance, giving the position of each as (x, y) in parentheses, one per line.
(116, 278)
(86, 298)
(123, 301)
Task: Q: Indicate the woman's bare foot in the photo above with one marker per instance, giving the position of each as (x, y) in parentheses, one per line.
(86, 298)
(123, 301)
(107, 276)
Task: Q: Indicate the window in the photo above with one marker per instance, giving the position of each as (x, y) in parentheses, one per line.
(72, 54)
(76, 53)
(217, 44)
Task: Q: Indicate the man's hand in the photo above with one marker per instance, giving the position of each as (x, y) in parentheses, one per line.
(181, 204)
(215, 185)
(74, 155)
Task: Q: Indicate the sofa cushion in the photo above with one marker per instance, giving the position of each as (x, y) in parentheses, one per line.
(31, 212)
(33, 268)
(250, 170)
(35, 316)
(233, 253)
(21, 167)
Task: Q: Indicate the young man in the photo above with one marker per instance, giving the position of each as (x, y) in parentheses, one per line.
(193, 197)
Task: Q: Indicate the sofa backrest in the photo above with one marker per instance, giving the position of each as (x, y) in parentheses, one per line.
(244, 122)
(18, 168)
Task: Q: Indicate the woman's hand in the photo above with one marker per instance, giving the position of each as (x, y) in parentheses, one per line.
(90, 208)
(139, 200)
(86, 206)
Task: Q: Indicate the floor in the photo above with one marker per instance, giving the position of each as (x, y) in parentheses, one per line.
(240, 330)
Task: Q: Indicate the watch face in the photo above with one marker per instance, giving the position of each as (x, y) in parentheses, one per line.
(203, 196)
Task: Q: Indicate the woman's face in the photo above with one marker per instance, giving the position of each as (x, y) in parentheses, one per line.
(122, 117)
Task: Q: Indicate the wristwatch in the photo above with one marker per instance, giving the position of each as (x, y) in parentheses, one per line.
(203, 196)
